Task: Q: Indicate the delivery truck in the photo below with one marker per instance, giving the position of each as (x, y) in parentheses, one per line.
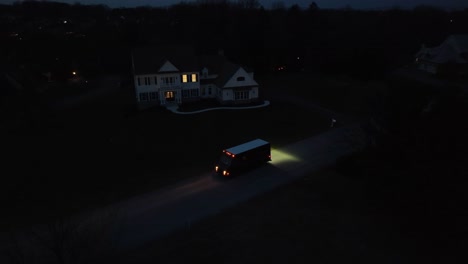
(242, 157)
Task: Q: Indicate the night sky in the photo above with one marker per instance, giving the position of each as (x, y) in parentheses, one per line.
(357, 4)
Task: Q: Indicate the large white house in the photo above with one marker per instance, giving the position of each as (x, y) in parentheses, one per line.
(177, 75)
(450, 56)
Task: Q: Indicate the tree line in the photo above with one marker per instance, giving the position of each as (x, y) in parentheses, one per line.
(362, 43)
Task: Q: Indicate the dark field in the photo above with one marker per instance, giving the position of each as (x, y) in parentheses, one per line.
(323, 218)
(339, 93)
(326, 217)
(105, 151)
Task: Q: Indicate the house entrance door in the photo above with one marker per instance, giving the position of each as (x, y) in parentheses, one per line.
(170, 96)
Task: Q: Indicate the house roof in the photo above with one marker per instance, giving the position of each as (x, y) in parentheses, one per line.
(228, 69)
(453, 49)
(147, 60)
(212, 62)
(247, 146)
(218, 64)
(460, 43)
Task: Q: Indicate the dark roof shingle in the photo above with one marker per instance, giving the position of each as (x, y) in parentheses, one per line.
(147, 60)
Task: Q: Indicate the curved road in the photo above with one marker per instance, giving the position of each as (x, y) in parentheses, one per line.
(148, 217)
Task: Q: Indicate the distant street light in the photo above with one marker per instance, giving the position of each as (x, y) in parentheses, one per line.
(74, 73)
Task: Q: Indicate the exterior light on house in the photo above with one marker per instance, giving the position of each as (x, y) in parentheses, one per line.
(74, 73)
(65, 21)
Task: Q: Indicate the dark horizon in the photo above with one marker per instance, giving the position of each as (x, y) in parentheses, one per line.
(267, 4)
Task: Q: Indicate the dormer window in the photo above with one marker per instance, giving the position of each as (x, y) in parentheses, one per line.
(240, 79)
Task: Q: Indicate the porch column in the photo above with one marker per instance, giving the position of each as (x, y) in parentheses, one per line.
(162, 98)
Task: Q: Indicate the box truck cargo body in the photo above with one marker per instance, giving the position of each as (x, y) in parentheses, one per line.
(243, 157)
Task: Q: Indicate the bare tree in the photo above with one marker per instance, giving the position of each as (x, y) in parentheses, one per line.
(248, 4)
(278, 5)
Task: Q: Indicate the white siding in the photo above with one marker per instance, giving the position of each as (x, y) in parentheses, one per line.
(228, 95)
(189, 84)
(162, 82)
(253, 93)
(145, 86)
(239, 79)
(168, 67)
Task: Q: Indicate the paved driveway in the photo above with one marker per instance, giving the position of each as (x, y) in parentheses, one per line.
(148, 217)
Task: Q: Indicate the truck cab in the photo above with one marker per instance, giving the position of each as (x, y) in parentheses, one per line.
(242, 157)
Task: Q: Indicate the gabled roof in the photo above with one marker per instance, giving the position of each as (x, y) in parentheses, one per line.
(460, 43)
(218, 64)
(148, 60)
(228, 70)
(453, 49)
(212, 62)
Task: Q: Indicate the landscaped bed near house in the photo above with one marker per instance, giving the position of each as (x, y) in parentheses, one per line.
(211, 103)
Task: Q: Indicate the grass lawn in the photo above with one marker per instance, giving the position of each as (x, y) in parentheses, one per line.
(338, 93)
(322, 218)
(103, 152)
(165, 142)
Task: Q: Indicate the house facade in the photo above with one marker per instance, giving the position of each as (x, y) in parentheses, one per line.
(177, 75)
(449, 58)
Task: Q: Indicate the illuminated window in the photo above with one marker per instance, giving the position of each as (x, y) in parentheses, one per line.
(184, 78)
(169, 95)
(194, 77)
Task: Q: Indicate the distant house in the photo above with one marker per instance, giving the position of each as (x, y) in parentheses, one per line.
(177, 75)
(450, 57)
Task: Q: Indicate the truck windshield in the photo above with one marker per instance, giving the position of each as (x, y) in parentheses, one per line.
(225, 159)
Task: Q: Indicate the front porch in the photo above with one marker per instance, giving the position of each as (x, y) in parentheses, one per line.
(170, 96)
